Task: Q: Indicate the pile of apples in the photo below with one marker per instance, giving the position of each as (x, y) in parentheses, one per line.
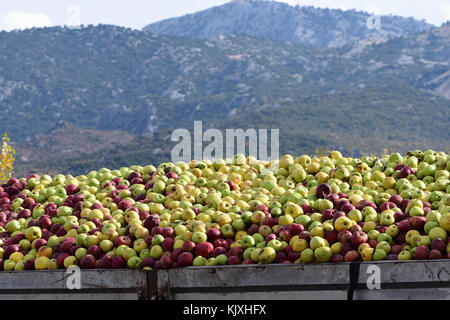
(230, 212)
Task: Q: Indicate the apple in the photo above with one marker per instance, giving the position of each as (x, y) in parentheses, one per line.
(392, 230)
(267, 255)
(45, 251)
(438, 244)
(352, 255)
(418, 222)
(204, 249)
(430, 225)
(344, 236)
(383, 245)
(435, 254)
(199, 237)
(118, 262)
(213, 234)
(317, 242)
(156, 251)
(342, 223)
(424, 241)
(12, 226)
(379, 254)
(438, 232)
(87, 262)
(41, 263)
(358, 238)
(444, 222)
(421, 252)
(134, 262)
(337, 258)
(323, 254)
(247, 242)
(166, 245)
(323, 190)
(106, 245)
(185, 259)
(199, 261)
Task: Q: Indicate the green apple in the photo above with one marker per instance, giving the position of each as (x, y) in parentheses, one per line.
(199, 261)
(197, 237)
(416, 211)
(8, 265)
(134, 262)
(438, 232)
(128, 253)
(221, 260)
(424, 241)
(323, 254)
(373, 234)
(106, 245)
(247, 242)
(80, 253)
(267, 255)
(433, 216)
(387, 219)
(25, 244)
(33, 233)
(392, 230)
(64, 211)
(379, 254)
(139, 245)
(307, 256)
(384, 237)
(12, 226)
(257, 237)
(157, 239)
(276, 245)
(317, 242)
(261, 245)
(211, 262)
(238, 225)
(91, 240)
(430, 225)
(444, 222)
(355, 215)
(303, 219)
(405, 255)
(369, 226)
(384, 245)
(247, 252)
(79, 240)
(156, 251)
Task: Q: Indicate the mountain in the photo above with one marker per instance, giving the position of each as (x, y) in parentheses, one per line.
(136, 88)
(282, 22)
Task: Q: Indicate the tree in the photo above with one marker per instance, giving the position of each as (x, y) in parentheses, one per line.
(7, 153)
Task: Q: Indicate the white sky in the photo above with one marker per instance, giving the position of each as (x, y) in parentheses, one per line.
(20, 14)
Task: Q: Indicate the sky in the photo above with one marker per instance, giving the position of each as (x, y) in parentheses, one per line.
(22, 14)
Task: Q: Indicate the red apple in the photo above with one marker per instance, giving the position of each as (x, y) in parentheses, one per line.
(344, 236)
(417, 222)
(352, 255)
(438, 244)
(205, 249)
(213, 234)
(185, 259)
(87, 262)
(435, 254)
(358, 238)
